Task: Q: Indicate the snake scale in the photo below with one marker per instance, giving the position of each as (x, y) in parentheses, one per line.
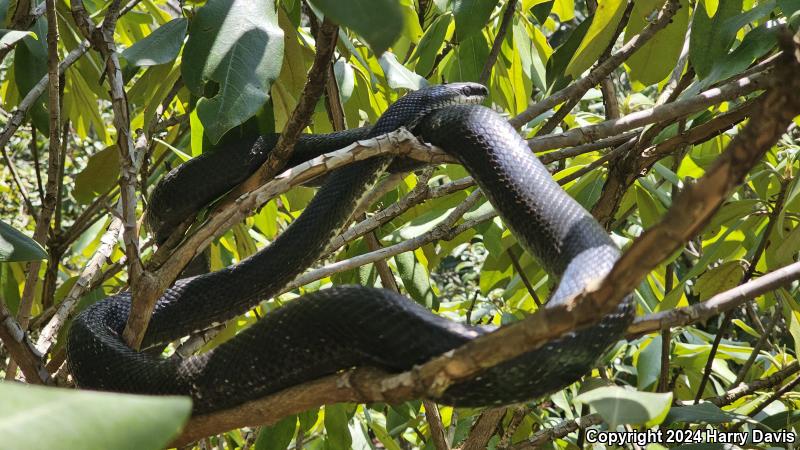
(350, 326)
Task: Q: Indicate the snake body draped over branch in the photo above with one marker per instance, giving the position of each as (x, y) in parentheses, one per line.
(353, 326)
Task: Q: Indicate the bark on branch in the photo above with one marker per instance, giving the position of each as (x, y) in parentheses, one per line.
(691, 210)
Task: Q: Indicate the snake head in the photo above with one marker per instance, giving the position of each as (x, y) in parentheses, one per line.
(409, 110)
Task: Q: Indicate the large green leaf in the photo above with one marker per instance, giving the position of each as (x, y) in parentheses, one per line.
(471, 16)
(655, 60)
(239, 45)
(416, 280)
(379, 22)
(277, 436)
(709, 41)
(36, 417)
(425, 52)
(15, 246)
(98, 177)
(336, 420)
(620, 406)
(467, 62)
(30, 65)
(701, 413)
(601, 31)
(159, 47)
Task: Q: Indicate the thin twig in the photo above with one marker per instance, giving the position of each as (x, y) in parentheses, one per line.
(670, 111)
(562, 429)
(508, 14)
(723, 301)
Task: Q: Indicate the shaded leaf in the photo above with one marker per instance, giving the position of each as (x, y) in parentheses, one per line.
(379, 22)
(277, 436)
(719, 279)
(336, 427)
(416, 280)
(709, 41)
(471, 16)
(701, 413)
(655, 60)
(159, 47)
(99, 175)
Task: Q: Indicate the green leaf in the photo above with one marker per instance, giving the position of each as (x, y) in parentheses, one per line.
(709, 41)
(98, 177)
(719, 279)
(601, 31)
(379, 22)
(557, 63)
(655, 60)
(397, 75)
(701, 413)
(416, 280)
(336, 427)
(277, 436)
(789, 7)
(532, 64)
(650, 211)
(16, 246)
(620, 406)
(648, 364)
(239, 45)
(159, 47)
(425, 52)
(467, 61)
(88, 420)
(30, 65)
(471, 16)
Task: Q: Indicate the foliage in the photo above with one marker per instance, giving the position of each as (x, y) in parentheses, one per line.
(201, 72)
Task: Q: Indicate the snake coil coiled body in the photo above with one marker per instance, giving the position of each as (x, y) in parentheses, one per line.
(351, 326)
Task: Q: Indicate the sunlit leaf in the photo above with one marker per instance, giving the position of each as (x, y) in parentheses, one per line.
(619, 406)
(88, 420)
(604, 25)
(16, 246)
(379, 22)
(238, 45)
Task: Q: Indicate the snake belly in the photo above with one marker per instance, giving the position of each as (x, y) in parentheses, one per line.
(351, 326)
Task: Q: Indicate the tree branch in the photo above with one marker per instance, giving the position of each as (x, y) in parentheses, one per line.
(562, 429)
(721, 302)
(670, 111)
(578, 88)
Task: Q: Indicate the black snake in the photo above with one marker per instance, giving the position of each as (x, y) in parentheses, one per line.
(350, 326)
